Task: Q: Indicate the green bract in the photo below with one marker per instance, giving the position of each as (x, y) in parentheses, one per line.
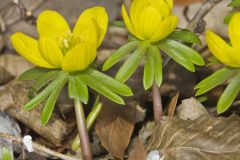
(139, 50)
(235, 4)
(49, 83)
(6, 155)
(226, 74)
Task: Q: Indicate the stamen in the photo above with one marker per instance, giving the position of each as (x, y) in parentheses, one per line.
(68, 41)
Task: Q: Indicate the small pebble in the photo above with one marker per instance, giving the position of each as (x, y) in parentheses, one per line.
(27, 140)
(155, 155)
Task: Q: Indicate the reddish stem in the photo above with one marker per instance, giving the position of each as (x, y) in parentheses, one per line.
(82, 131)
(157, 103)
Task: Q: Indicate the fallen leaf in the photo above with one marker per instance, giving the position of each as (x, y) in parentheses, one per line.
(205, 138)
(14, 95)
(5, 76)
(114, 127)
(14, 64)
(138, 152)
(172, 105)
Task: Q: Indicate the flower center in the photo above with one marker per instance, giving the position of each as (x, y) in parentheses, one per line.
(68, 41)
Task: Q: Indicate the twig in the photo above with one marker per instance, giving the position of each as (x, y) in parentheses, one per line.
(2, 25)
(38, 147)
(36, 5)
(25, 14)
(82, 130)
(196, 24)
(157, 103)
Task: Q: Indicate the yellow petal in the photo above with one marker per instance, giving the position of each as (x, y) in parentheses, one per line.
(170, 3)
(165, 28)
(89, 34)
(234, 30)
(28, 48)
(163, 6)
(79, 57)
(220, 49)
(96, 14)
(148, 23)
(52, 24)
(137, 6)
(127, 21)
(50, 51)
(234, 53)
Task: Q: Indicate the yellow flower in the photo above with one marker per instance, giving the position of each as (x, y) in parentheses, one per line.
(57, 46)
(150, 19)
(228, 54)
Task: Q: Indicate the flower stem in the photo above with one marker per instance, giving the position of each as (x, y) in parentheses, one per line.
(89, 122)
(82, 130)
(157, 103)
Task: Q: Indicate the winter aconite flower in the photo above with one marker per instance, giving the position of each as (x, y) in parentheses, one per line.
(154, 31)
(58, 46)
(227, 53)
(63, 57)
(150, 19)
(73, 52)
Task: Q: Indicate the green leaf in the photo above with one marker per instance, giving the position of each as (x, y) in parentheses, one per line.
(148, 76)
(185, 36)
(77, 89)
(119, 54)
(213, 60)
(131, 64)
(119, 24)
(185, 51)
(6, 155)
(110, 83)
(229, 94)
(97, 86)
(214, 80)
(157, 66)
(234, 3)
(44, 79)
(51, 101)
(33, 73)
(228, 18)
(45, 93)
(175, 54)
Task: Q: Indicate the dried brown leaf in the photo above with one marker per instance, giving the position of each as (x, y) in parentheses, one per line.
(115, 126)
(172, 105)
(138, 152)
(203, 138)
(14, 64)
(5, 76)
(14, 96)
